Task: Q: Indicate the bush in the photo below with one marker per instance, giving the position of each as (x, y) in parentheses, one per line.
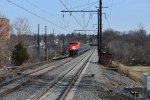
(19, 55)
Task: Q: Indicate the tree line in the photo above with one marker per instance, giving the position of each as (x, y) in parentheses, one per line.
(130, 48)
(23, 43)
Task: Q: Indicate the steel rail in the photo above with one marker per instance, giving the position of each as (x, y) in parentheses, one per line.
(11, 87)
(66, 91)
(41, 92)
(27, 74)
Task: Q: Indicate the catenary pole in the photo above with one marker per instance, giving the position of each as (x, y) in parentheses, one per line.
(38, 41)
(53, 43)
(46, 53)
(99, 31)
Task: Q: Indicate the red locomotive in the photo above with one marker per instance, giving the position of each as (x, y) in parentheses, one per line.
(76, 48)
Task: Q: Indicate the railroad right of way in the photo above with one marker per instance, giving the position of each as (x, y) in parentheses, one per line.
(25, 89)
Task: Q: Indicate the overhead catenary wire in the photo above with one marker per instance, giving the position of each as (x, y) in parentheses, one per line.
(67, 23)
(85, 25)
(111, 6)
(83, 20)
(46, 12)
(88, 4)
(88, 21)
(90, 17)
(37, 7)
(107, 21)
(71, 13)
(107, 15)
(23, 8)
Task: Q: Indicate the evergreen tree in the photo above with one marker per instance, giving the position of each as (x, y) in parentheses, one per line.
(19, 55)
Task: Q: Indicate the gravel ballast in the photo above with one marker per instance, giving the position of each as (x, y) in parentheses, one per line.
(100, 83)
(28, 89)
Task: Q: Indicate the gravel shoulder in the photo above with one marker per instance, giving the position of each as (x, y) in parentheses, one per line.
(99, 83)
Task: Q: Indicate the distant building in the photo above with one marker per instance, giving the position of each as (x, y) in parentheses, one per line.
(4, 29)
(4, 36)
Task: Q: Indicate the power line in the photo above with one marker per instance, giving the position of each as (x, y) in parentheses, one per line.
(71, 13)
(88, 4)
(111, 5)
(88, 21)
(107, 20)
(34, 5)
(67, 22)
(83, 20)
(37, 15)
(46, 12)
(90, 13)
(69, 4)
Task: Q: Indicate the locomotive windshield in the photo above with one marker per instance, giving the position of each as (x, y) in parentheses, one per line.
(74, 43)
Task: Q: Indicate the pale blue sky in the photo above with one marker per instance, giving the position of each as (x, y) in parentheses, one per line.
(122, 15)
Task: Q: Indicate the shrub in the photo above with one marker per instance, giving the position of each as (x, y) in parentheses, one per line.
(19, 55)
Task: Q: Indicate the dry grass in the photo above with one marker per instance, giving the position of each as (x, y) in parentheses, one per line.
(140, 69)
(134, 72)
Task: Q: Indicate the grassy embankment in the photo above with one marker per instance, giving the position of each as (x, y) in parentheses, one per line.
(134, 72)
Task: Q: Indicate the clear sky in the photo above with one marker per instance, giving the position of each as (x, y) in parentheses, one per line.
(122, 15)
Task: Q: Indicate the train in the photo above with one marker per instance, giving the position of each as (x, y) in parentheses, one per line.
(77, 48)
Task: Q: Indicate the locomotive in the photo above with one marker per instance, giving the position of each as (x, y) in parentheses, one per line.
(76, 48)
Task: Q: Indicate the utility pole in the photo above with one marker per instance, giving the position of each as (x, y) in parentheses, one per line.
(99, 31)
(99, 38)
(59, 44)
(46, 53)
(53, 43)
(38, 41)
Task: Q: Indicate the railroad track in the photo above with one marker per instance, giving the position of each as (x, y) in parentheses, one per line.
(74, 71)
(13, 74)
(11, 85)
(26, 73)
(13, 89)
(14, 71)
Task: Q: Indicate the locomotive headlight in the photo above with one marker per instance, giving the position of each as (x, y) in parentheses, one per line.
(73, 47)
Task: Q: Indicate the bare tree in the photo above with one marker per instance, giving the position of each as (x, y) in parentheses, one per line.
(130, 47)
(21, 27)
(21, 32)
